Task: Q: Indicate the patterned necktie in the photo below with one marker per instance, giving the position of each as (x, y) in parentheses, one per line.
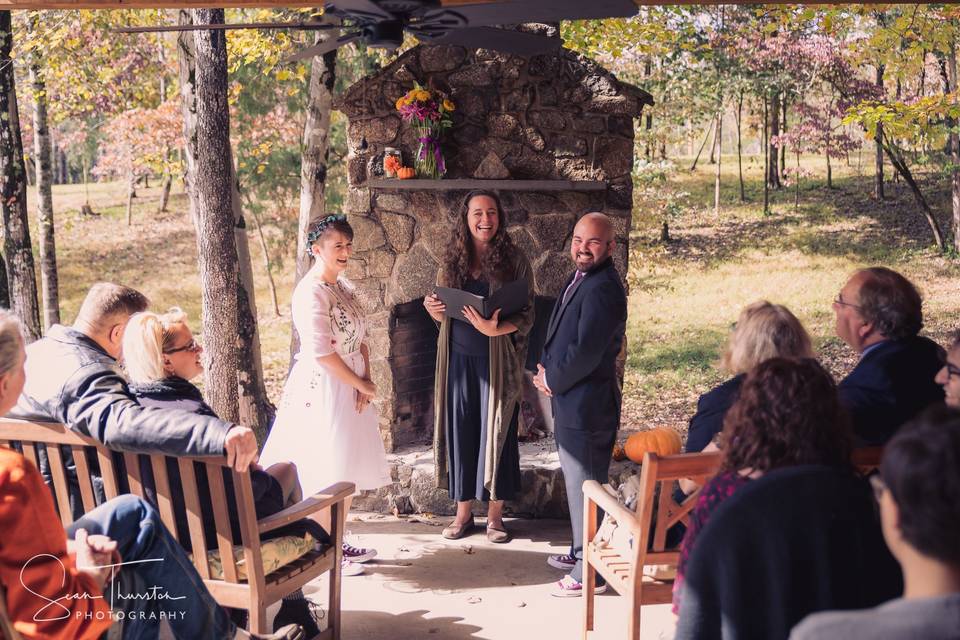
(576, 278)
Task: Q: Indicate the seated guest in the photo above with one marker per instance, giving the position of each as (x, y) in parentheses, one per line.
(161, 356)
(73, 378)
(787, 527)
(39, 566)
(919, 493)
(787, 414)
(949, 376)
(763, 331)
(879, 314)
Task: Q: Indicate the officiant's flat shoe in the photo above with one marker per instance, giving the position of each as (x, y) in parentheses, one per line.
(454, 531)
(498, 535)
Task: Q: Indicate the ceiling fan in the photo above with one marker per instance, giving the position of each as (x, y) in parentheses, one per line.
(467, 23)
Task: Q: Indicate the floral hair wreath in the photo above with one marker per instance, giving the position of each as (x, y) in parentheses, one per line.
(325, 222)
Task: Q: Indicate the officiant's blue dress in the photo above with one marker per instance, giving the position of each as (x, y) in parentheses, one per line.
(468, 386)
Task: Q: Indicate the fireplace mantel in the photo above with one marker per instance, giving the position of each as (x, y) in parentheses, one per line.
(494, 185)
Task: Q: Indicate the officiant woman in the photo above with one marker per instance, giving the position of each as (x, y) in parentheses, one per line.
(479, 369)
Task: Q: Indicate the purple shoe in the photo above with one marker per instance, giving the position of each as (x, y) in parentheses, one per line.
(565, 562)
(357, 554)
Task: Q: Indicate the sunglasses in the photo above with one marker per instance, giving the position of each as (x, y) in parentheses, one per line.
(192, 346)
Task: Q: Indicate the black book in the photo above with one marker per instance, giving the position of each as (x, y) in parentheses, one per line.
(509, 298)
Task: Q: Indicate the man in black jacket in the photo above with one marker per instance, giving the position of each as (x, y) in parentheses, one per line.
(579, 373)
(879, 314)
(73, 377)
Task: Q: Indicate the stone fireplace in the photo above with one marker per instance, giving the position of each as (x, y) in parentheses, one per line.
(552, 134)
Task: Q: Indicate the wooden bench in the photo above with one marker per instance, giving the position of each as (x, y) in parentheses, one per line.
(656, 512)
(255, 593)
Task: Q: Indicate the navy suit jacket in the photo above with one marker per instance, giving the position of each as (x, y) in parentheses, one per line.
(891, 384)
(584, 337)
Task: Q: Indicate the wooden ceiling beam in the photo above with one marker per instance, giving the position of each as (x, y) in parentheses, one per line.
(186, 4)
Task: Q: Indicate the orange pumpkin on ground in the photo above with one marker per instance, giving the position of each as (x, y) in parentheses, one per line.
(662, 441)
(406, 173)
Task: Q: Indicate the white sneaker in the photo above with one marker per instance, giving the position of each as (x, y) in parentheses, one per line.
(567, 587)
(350, 568)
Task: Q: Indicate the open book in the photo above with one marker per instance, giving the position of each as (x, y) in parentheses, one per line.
(509, 298)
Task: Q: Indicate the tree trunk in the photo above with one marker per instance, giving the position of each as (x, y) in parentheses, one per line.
(716, 186)
(165, 192)
(256, 411)
(783, 130)
(247, 395)
(743, 193)
(954, 152)
(766, 159)
(203, 68)
(796, 192)
(773, 151)
(267, 262)
(131, 194)
(829, 172)
(878, 155)
(17, 250)
(713, 147)
(42, 151)
(693, 167)
(896, 159)
(313, 166)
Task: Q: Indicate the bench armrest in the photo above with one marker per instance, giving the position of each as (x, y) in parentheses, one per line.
(601, 496)
(317, 502)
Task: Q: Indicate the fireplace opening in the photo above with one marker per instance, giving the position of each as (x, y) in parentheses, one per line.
(413, 355)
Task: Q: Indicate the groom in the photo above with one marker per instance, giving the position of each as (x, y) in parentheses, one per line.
(578, 372)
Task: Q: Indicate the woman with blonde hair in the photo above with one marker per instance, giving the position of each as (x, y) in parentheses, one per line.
(763, 331)
(161, 357)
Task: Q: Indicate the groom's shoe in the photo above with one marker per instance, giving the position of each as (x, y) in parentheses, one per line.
(564, 562)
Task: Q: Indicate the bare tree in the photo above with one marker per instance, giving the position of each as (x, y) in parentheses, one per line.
(313, 166)
(17, 251)
(43, 149)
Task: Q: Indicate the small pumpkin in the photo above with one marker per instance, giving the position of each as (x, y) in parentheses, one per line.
(662, 441)
(406, 173)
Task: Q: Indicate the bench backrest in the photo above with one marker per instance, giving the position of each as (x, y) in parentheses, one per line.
(28, 435)
(658, 511)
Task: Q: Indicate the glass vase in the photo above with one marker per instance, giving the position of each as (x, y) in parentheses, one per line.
(429, 159)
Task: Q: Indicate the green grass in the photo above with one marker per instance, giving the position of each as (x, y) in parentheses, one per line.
(684, 294)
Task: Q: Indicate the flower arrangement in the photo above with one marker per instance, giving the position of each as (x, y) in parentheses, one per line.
(430, 115)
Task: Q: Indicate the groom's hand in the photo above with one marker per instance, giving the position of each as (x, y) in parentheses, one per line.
(540, 381)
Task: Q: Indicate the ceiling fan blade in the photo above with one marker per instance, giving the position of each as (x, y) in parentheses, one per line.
(307, 26)
(324, 47)
(481, 13)
(367, 8)
(515, 42)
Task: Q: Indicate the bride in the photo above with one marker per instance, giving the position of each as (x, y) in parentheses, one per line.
(325, 423)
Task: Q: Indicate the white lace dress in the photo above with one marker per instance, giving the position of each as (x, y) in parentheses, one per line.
(317, 425)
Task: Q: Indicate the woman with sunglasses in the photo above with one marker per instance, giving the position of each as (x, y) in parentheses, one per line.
(161, 357)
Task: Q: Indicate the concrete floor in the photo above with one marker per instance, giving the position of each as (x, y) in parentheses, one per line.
(422, 586)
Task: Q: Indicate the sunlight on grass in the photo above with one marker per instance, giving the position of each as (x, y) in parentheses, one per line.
(684, 294)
